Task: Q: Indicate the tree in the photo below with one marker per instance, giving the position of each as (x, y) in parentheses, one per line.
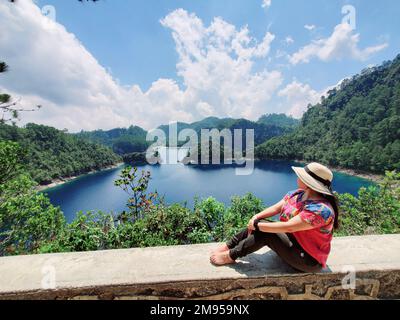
(10, 155)
(136, 186)
(27, 218)
(356, 126)
(53, 154)
(10, 109)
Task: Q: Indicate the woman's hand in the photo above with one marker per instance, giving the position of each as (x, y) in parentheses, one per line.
(250, 226)
(267, 213)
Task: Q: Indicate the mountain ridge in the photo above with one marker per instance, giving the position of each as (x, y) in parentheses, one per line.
(133, 139)
(357, 126)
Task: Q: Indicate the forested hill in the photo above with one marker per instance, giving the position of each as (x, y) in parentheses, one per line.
(357, 126)
(265, 128)
(281, 120)
(120, 140)
(133, 139)
(53, 154)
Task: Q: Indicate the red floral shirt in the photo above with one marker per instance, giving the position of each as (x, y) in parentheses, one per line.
(320, 214)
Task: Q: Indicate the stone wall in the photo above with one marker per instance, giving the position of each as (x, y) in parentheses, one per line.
(184, 272)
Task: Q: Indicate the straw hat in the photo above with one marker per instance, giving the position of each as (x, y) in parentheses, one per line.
(316, 176)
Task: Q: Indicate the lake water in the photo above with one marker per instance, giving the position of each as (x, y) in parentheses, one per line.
(270, 181)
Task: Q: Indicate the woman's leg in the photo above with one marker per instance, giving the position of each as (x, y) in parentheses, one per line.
(220, 256)
(231, 243)
(235, 240)
(289, 252)
(293, 254)
(244, 243)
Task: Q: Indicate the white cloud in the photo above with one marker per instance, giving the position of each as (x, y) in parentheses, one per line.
(49, 66)
(216, 65)
(343, 43)
(310, 27)
(289, 40)
(204, 109)
(266, 3)
(298, 96)
(281, 54)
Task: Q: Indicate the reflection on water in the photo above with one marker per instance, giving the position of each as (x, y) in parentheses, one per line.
(269, 181)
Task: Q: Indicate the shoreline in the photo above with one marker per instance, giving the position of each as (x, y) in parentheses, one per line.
(351, 172)
(59, 182)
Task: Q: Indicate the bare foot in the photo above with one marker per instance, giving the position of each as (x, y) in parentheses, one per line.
(221, 248)
(221, 258)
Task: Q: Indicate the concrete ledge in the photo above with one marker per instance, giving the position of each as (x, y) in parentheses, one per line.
(184, 272)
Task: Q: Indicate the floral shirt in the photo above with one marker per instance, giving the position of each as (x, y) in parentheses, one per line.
(320, 214)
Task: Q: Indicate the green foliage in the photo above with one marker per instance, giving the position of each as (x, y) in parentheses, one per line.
(11, 155)
(265, 129)
(136, 186)
(376, 210)
(173, 225)
(86, 233)
(5, 98)
(27, 219)
(132, 141)
(156, 225)
(237, 216)
(162, 225)
(53, 154)
(356, 126)
(281, 120)
(3, 67)
(211, 212)
(122, 141)
(30, 224)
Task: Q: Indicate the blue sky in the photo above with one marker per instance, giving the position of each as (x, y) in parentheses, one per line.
(126, 35)
(137, 50)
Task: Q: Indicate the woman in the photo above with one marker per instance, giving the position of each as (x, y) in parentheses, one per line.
(303, 235)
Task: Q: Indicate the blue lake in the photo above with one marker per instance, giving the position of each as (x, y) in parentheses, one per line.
(270, 181)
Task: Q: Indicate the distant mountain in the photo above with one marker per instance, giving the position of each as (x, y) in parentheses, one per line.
(281, 120)
(356, 126)
(133, 139)
(53, 154)
(263, 129)
(121, 141)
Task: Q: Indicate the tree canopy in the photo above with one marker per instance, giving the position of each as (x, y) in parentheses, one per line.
(356, 126)
(53, 154)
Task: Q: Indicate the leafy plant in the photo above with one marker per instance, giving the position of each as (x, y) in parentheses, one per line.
(27, 219)
(376, 210)
(135, 186)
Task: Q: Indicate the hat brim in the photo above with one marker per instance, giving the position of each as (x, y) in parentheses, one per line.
(311, 182)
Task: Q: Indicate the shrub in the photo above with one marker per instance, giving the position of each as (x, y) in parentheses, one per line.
(376, 210)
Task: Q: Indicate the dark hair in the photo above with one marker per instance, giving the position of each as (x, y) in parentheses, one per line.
(333, 200)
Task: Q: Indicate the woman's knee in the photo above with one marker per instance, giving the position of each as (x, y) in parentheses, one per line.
(263, 236)
(243, 234)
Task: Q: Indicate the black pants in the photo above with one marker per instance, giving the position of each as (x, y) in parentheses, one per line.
(285, 246)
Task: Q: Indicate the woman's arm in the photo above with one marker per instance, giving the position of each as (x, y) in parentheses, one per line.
(293, 225)
(267, 213)
(271, 211)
